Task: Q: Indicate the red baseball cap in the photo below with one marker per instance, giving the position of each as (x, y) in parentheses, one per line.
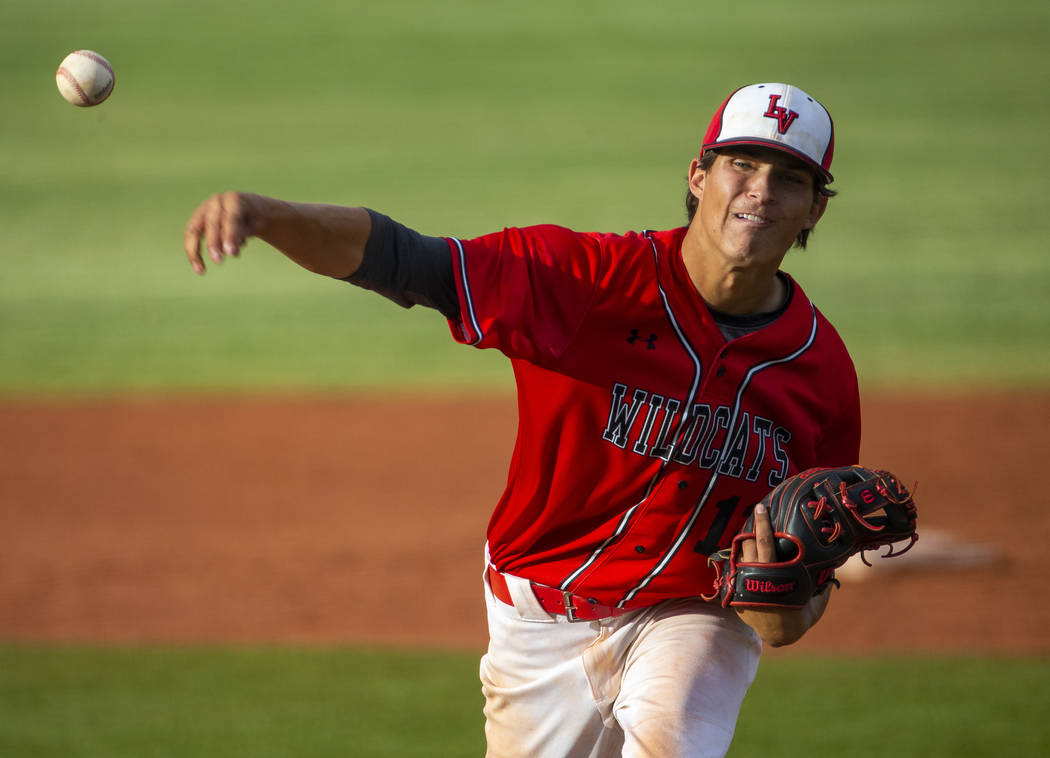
(779, 116)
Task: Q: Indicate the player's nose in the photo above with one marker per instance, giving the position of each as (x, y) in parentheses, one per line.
(760, 185)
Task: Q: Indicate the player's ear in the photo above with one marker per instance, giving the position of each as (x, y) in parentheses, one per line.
(816, 211)
(696, 178)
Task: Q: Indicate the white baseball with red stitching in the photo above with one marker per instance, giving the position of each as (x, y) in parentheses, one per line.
(84, 78)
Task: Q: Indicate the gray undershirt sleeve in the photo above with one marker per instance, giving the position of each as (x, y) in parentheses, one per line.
(407, 267)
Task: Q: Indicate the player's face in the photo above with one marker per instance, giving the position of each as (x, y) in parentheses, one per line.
(753, 202)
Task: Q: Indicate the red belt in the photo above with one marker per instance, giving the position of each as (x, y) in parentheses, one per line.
(553, 600)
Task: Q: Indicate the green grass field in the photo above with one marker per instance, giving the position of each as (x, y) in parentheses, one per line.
(175, 703)
(459, 118)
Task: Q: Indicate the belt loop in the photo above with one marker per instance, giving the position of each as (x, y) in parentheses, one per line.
(525, 600)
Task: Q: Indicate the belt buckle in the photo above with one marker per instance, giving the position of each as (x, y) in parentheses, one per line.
(570, 609)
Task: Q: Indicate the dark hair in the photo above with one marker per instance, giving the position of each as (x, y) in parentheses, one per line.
(820, 189)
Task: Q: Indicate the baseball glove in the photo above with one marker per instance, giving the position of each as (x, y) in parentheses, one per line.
(820, 517)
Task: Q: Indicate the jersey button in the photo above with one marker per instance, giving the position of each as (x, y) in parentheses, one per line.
(639, 549)
(721, 371)
(683, 484)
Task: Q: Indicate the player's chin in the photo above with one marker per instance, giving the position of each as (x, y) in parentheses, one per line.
(752, 252)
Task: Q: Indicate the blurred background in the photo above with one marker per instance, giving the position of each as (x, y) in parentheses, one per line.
(460, 118)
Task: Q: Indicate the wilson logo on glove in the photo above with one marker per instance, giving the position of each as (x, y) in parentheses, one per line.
(820, 517)
(768, 588)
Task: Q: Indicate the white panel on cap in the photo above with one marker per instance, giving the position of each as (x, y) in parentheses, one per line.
(744, 117)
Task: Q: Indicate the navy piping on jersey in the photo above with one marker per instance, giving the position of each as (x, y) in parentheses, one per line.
(620, 528)
(466, 293)
(697, 375)
(680, 539)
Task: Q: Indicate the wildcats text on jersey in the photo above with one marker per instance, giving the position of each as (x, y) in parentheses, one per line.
(651, 425)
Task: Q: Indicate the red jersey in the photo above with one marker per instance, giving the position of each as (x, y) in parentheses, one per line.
(644, 437)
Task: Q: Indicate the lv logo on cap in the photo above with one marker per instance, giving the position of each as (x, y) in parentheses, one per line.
(783, 116)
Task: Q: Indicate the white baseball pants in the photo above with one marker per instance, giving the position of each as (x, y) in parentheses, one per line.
(660, 682)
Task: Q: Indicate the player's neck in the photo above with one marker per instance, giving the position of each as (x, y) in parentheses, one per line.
(735, 279)
(739, 298)
(736, 291)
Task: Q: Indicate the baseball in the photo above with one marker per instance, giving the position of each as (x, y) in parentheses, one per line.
(84, 78)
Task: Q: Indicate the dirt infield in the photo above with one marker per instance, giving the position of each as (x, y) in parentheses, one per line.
(362, 520)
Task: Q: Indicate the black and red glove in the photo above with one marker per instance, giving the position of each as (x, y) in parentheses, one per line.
(820, 518)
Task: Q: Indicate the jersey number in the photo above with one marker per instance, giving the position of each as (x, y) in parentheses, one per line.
(725, 509)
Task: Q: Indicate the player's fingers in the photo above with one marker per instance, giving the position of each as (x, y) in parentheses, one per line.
(233, 223)
(748, 551)
(191, 240)
(222, 223)
(213, 227)
(765, 552)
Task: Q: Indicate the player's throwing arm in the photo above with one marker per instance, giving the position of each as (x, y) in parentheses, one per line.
(325, 239)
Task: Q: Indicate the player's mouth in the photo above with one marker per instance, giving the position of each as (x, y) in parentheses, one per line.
(754, 218)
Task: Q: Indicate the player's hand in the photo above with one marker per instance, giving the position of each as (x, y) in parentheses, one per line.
(777, 626)
(224, 222)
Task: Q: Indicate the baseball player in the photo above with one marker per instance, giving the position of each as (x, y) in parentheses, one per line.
(667, 380)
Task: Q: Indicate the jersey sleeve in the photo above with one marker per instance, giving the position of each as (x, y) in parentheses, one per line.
(525, 291)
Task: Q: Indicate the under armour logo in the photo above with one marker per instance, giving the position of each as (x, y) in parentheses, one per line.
(650, 341)
(784, 117)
